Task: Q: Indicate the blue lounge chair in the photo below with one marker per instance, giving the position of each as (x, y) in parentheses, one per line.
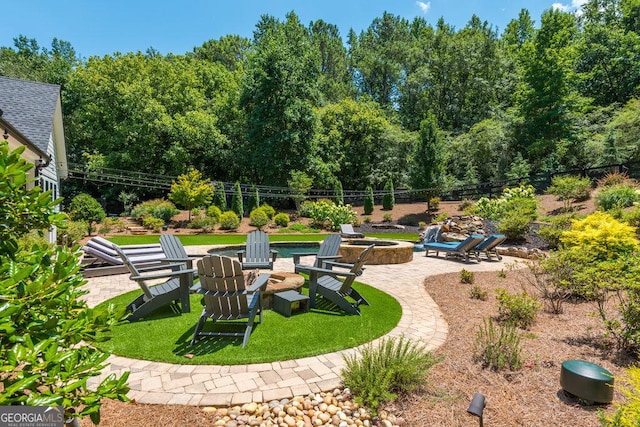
(488, 246)
(462, 249)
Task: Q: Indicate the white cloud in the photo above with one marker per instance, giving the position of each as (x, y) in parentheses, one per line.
(426, 6)
(578, 3)
(560, 6)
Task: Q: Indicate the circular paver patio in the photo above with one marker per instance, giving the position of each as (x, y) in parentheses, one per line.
(218, 385)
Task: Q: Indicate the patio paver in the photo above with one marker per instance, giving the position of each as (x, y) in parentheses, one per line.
(219, 385)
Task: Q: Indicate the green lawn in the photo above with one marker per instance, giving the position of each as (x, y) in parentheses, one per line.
(233, 239)
(165, 336)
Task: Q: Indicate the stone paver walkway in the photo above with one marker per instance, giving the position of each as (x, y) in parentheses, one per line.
(217, 385)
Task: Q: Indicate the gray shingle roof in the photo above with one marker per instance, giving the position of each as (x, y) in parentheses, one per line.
(30, 108)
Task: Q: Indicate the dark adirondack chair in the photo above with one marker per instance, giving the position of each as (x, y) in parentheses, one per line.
(325, 282)
(462, 249)
(328, 251)
(488, 246)
(175, 253)
(347, 231)
(225, 296)
(175, 289)
(257, 253)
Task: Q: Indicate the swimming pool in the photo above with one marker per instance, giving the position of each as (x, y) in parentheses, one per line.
(285, 249)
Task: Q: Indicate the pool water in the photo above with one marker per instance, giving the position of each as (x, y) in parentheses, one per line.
(285, 250)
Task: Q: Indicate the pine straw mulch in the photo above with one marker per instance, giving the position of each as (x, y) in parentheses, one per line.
(531, 396)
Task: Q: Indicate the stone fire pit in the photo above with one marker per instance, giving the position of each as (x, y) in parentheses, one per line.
(384, 251)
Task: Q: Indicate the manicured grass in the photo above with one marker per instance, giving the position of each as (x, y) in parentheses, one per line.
(165, 336)
(234, 239)
(215, 239)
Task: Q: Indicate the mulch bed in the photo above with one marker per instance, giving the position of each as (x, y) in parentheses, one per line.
(531, 396)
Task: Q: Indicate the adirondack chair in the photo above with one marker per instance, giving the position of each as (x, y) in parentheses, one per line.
(257, 253)
(488, 246)
(462, 249)
(328, 251)
(225, 296)
(169, 292)
(175, 253)
(324, 282)
(347, 231)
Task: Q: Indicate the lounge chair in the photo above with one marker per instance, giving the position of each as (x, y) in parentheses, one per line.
(462, 249)
(324, 282)
(100, 257)
(488, 246)
(225, 296)
(328, 251)
(257, 253)
(347, 231)
(169, 292)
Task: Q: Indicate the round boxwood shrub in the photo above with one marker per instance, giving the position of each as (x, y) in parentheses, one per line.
(214, 213)
(85, 208)
(229, 221)
(282, 219)
(269, 210)
(259, 218)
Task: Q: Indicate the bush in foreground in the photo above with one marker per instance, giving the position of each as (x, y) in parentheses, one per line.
(377, 374)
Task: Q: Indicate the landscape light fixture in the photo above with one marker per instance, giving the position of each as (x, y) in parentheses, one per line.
(477, 406)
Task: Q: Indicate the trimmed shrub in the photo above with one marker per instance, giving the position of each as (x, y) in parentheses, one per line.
(388, 199)
(229, 221)
(570, 189)
(214, 213)
(259, 218)
(152, 223)
(627, 411)
(158, 208)
(433, 204)
(338, 197)
(517, 309)
(377, 374)
(282, 219)
(552, 232)
(254, 199)
(72, 234)
(306, 208)
(466, 277)
(368, 201)
(498, 346)
(476, 292)
(85, 208)
(270, 211)
(617, 196)
(205, 223)
(387, 217)
(615, 178)
(514, 225)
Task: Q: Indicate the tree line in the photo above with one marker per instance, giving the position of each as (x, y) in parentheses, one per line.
(427, 107)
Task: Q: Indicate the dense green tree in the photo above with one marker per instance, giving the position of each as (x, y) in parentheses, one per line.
(237, 205)
(279, 96)
(47, 327)
(299, 185)
(83, 207)
(608, 60)
(334, 80)
(338, 193)
(378, 58)
(191, 190)
(220, 197)
(428, 160)
(548, 100)
(230, 51)
(388, 198)
(368, 200)
(253, 201)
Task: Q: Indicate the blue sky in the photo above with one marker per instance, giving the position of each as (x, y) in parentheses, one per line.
(102, 27)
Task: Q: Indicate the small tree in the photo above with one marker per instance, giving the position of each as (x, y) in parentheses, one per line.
(338, 193)
(388, 200)
(299, 185)
(368, 200)
(45, 321)
(570, 189)
(236, 200)
(220, 197)
(128, 200)
(191, 190)
(83, 207)
(254, 199)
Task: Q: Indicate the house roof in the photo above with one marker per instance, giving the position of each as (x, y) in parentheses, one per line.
(30, 108)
